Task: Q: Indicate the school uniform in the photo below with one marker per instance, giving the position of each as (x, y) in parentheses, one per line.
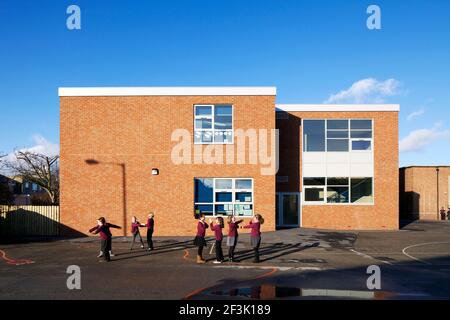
(136, 234)
(232, 238)
(150, 228)
(255, 237)
(199, 239)
(217, 228)
(105, 238)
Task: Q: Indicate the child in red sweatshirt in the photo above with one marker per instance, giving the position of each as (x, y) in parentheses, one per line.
(217, 228)
(199, 239)
(255, 234)
(135, 225)
(102, 228)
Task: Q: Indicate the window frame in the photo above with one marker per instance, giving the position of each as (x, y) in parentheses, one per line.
(325, 188)
(212, 117)
(233, 192)
(349, 135)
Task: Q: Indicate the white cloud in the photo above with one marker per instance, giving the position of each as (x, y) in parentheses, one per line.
(418, 140)
(416, 114)
(368, 90)
(40, 145)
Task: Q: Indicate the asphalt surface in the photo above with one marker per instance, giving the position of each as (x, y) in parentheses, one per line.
(296, 264)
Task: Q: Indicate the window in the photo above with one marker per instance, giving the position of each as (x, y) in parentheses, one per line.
(338, 190)
(213, 124)
(337, 135)
(223, 196)
(362, 190)
(314, 190)
(314, 135)
(361, 135)
(34, 187)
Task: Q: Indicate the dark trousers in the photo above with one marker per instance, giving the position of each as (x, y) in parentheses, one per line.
(256, 245)
(106, 247)
(219, 252)
(150, 238)
(136, 235)
(200, 251)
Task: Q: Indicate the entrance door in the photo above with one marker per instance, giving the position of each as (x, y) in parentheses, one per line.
(288, 209)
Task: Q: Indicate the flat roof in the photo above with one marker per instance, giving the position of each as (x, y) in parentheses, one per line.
(337, 107)
(425, 167)
(166, 91)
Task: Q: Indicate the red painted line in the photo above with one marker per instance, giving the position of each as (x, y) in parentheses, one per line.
(186, 254)
(14, 262)
(267, 274)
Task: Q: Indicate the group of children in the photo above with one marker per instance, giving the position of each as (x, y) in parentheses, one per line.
(103, 229)
(232, 239)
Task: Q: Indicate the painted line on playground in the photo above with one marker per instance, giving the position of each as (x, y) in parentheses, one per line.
(18, 262)
(420, 245)
(366, 256)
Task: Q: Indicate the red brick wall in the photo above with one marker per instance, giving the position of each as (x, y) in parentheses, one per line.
(136, 131)
(384, 214)
(419, 197)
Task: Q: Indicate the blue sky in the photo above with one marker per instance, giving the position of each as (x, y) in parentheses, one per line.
(313, 51)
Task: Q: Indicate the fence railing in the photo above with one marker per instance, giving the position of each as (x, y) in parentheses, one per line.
(29, 220)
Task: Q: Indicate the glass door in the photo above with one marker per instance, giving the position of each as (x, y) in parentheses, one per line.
(288, 209)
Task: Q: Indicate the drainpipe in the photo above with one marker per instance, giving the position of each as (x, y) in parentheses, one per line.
(437, 188)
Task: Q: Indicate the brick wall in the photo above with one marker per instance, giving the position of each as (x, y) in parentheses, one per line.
(136, 132)
(384, 214)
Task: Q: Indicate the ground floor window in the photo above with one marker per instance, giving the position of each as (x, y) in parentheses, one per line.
(338, 190)
(223, 196)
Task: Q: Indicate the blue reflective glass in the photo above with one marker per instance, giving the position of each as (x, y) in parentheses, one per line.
(204, 190)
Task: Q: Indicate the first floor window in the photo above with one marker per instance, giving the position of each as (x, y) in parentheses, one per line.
(213, 124)
(223, 196)
(338, 190)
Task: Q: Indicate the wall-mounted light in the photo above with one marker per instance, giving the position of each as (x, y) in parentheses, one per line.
(155, 172)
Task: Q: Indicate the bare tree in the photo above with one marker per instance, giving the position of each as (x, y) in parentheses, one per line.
(37, 168)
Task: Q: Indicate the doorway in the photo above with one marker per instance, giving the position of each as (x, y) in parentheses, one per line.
(288, 209)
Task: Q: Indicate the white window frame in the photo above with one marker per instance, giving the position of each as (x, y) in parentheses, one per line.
(325, 188)
(350, 139)
(213, 131)
(233, 192)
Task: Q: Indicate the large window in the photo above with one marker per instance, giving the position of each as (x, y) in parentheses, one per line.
(223, 196)
(213, 124)
(314, 135)
(337, 135)
(338, 190)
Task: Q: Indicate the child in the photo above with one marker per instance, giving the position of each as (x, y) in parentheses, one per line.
(255, 235)
(150, 228)
(199, 239)
(103, 227)
(135, 225)
(233, 235)
(217, 228)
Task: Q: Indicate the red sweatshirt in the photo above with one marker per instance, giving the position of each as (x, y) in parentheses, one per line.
(217, 228)
(103, 230)
(150, 223)
(201, 229)
(256, 227)
(233, 228)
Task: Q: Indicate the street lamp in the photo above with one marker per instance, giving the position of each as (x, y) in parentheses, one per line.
(437, 189)
(124, 187)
